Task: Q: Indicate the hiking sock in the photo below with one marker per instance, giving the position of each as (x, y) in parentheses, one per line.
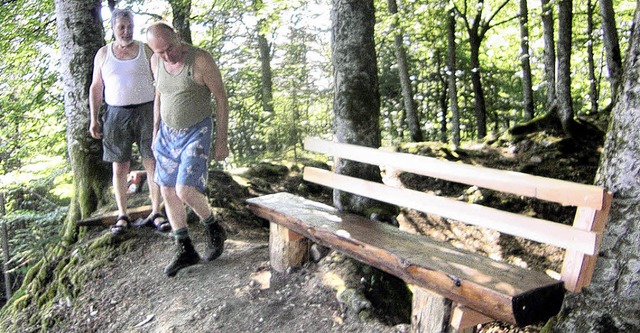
(215, 236)
(181, 233)
(185, 256)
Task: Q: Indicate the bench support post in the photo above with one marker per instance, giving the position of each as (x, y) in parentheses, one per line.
(430, 312)
(286, 248)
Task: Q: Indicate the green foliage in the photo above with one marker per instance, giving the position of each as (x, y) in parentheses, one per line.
(31, 111)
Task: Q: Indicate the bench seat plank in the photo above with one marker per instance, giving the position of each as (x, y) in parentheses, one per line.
(496, 289)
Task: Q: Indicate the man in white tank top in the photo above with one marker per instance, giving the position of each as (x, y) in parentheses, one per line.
(122, 77)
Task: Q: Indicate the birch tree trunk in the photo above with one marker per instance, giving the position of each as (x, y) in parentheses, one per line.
(611, 303)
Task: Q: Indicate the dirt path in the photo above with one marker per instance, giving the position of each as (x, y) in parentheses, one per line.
(231, 294)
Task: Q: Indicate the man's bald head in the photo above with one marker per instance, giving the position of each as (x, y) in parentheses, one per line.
(161, 30)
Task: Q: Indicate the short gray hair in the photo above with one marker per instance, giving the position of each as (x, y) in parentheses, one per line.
(117, 13)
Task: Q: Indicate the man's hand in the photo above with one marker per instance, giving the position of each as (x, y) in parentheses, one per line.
(95, 130)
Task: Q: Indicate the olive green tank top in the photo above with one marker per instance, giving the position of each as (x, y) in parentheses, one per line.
(183, 102)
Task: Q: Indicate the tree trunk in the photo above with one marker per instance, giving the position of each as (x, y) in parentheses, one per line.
(480, 106)
(593, 81)
(565, 102)
(442, 96)
(181, 10)
(413, 121)
(453, 90)
(611, 45)
(265, 66)
(610, 303)
(265, 63)
(527, 86)
(548, 31)
(356, 99)
(80, 35)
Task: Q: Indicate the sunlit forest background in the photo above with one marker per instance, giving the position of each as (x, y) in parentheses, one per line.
(275, 58)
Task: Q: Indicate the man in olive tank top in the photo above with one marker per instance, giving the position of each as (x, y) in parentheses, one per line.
(186, 77)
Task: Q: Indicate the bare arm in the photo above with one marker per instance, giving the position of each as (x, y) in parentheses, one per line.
(156, 102)
(207, 72)
(96, 93)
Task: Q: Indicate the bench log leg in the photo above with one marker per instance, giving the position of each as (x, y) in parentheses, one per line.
(286, 248)
(430, 312)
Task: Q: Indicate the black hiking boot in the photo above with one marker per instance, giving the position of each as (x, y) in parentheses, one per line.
(185, 256)
(215, 236)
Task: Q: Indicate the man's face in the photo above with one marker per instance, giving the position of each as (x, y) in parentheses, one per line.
(166, 48)
(123, 31)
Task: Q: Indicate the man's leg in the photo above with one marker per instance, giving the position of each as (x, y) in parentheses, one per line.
(120, 186)
(154, 189)
(216, 235)
(185, 255)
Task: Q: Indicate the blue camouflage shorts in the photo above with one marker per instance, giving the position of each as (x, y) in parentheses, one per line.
(182, 155)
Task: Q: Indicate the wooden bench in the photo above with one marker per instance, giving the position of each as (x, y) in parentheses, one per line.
(451, 287)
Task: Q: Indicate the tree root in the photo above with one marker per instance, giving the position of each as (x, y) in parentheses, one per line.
(54, 281)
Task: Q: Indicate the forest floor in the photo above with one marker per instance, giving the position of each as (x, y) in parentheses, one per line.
(239, 293)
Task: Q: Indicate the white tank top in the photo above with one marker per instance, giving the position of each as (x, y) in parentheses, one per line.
(127, 82)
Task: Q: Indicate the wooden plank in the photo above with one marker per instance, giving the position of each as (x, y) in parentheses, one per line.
(463, 318)
(577, 268)
(554, 190)
(538, 230)
(496, 289)
(429, 311)
(110, 217)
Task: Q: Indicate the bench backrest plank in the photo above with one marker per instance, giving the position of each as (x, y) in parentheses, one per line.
(500, 180)
(539, 230)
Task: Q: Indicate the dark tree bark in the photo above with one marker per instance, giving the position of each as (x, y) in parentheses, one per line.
(611, 45)
(527, 86)
(453, 90)
(611, 303)
(565, 101)
(413, 121)
(548, 31)
(356, 99)
(181, 10)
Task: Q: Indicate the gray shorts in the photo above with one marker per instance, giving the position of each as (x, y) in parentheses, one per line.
(124, 125)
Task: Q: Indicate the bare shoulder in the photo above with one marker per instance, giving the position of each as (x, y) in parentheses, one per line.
(203, 59)
(101, 54)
